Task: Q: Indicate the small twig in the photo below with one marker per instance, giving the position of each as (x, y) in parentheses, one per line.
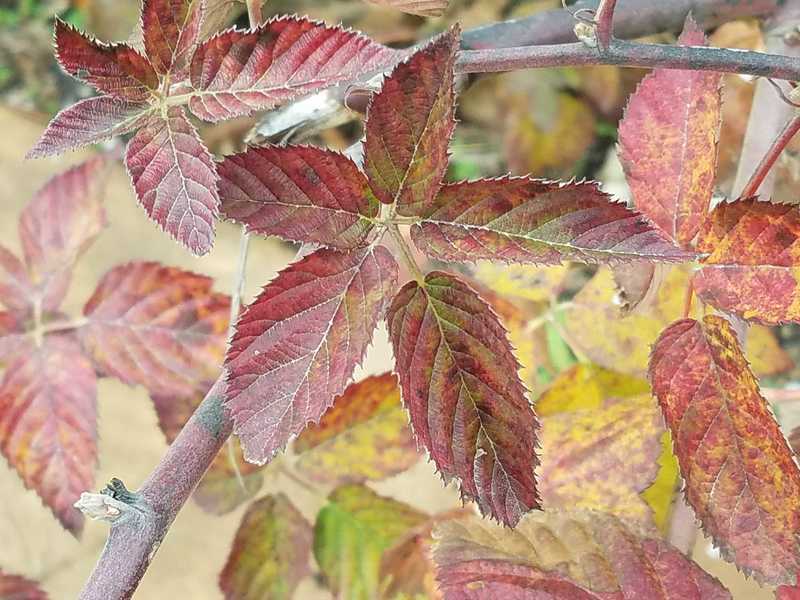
(254, 13)
(762, 170)
(630, 54)
(239, 282)
(687, 300)
(604, 21)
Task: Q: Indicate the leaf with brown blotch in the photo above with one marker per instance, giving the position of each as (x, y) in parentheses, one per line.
(230, 480)
(297, 344)
(351, 533)
(575, 555)
(668, 143)
(237, 72)
(170, 30)
(59, 224)
(175, 179)
(299, 193)
(409, 125)
(740, 475)
(16, 289)
(637, 284)
(15, 587)
(115, 69)
(156, 326)
(270, 553)
(461, 385)
(363, 436)
(48, 424)
(520, 219)
(753, 263)
(421, 8)
(87, 122)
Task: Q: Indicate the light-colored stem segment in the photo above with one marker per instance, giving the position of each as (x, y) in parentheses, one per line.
(766, 164)
(605, 25)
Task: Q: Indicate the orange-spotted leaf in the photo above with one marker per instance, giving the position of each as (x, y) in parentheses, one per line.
(519, 219)
(15, 587)
(58, 225)
(351, 533)
(175, 179)
(753, 262)
(409, 124)
(668, 143)
(569, 555)
(363, 436)
(89, 121)
(270, 553)
(422, 8)
(237, 72)
(297, 344)
(48, 424)
(740, 475)
(156, 326)
(299, 193)
(601, 437)
(116, 69)
(170, 29)
(230, 480)
(461, 385)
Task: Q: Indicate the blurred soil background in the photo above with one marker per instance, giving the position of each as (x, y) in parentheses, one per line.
(554, 123)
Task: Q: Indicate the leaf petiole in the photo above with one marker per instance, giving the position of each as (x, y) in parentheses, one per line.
(405, 252)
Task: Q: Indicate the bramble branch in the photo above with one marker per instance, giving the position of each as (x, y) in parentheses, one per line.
(630, 54)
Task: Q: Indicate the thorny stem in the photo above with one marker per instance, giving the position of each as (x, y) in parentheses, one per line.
(604, 20)
(762, 170)
(405, 251)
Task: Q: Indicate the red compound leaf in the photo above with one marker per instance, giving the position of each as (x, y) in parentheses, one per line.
(299, 193)
(58, 225)
(668, 143)
(175, 179)
(461, 386)
(270, 553)
(564, 555)
(115, 69)
(518, 219)
(171, 29)
(740, 475)
(409, 124)
(156, 326)
(237, 72)
(297, 344)
(88, 122)
(754, 255)
(48, 424)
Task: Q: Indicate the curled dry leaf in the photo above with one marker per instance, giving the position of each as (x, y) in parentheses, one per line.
(753, 260)
(48, 423)
(741, 477)
(422, 8)
(637, 284)
(460, 385)
(270, 553)
(520, 219)
(409, 125)
(297, 344)
(352, 532)
(300, 193)
(156, 326)
(580, 555)
(668, 143)
(364, 436)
